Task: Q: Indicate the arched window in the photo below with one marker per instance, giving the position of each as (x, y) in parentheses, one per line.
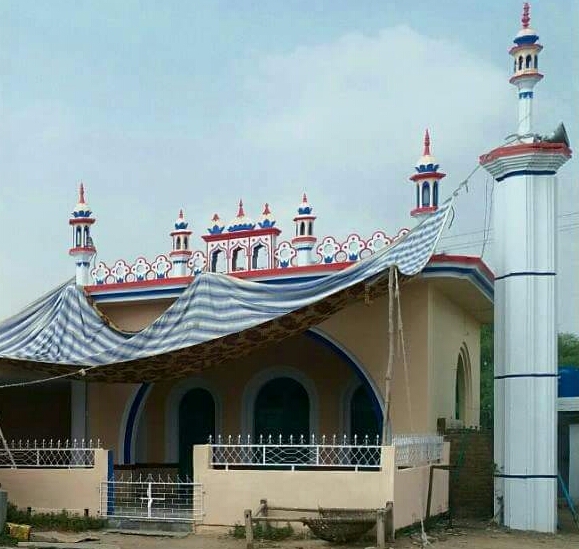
(515, 66)
(417, 195)
(218, 261)
(259, 257)
(86, 237)
(78, 237)
(435, 193)
(520, 62)
(239, 260)
(363, 420)
(185, 243)
(311, 228)
(196, 425)
(178, 243)
(462, 389)
(425, 194)
(536, 62)
(302, 228)
(282, 407)
(528, 62)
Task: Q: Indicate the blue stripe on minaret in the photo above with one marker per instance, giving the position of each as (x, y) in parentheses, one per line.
(526, 172)
(526, 95)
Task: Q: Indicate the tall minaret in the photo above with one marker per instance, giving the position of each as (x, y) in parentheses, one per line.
(427, 179)
(524, 219)
(304, 240)
(83, 249)
(526, 74)
(181, 251)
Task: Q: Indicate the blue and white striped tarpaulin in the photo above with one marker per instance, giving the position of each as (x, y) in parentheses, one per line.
(63, 328)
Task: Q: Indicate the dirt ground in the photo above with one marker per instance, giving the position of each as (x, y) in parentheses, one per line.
(463, 535)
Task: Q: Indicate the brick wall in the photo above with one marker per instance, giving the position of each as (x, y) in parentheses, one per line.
(471, 480)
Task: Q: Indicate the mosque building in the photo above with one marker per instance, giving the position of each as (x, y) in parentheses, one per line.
(249, 333)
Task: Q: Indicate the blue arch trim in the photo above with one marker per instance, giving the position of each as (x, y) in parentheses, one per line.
(321, 338)
(318, 336)
(132, 421)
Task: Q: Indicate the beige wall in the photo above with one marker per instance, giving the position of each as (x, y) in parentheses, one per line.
(451, 328)
(132, 316)
(52, 490)
(363, 330)
(229, 493)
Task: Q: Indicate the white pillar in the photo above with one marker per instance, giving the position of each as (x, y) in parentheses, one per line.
(525, 215)
(525, 110)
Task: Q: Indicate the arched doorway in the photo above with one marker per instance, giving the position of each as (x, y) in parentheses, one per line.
(363, 419)
(282, 407)
(196, 425)
(462, 388)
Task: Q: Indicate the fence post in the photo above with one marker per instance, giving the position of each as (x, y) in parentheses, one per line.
(248, 529)
(381, 528)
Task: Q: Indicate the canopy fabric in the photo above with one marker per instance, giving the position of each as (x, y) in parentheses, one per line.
(216, 318)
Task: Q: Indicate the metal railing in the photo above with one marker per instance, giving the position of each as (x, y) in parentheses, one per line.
(325, 452)
(55, 454)
(150, 500)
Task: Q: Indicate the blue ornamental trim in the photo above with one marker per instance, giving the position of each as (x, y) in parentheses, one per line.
(266, 224)
(181, 226)
(216, 229)
(424, 168)
(305, 210)
(526, 172)
(241, 227)
(528, 39)
(81, 213)
(526, 95)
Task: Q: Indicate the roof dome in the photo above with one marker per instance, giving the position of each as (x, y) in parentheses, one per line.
(266, 220)
(526, 35)
(82, 208)
(216, 226)
(241, 222)
(305, 208)
(427, 162)
(181, 224)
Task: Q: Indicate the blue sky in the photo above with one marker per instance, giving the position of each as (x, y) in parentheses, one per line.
(161, 105)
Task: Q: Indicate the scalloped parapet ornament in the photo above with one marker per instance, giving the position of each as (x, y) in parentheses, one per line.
(285, 254)
(161, 266)
(353, 247)
(378, 241)
(328, 249)
(100, 273)
(197, 263)
(140, 269)
(120, 271)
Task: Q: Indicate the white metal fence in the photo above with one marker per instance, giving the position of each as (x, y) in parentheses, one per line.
(48, 454)
(150, 500)
(325, 452)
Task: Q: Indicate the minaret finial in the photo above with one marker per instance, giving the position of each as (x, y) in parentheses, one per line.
(266, 210)
(181, 213)
(526, 18)
(426, 144)
(81, 193)
(304, 198)
(240, 212)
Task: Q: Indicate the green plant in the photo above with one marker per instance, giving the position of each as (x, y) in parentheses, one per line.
(54, 521)
(264, 531)
(6, 540)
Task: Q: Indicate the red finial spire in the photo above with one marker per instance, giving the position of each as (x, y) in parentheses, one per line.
(304, 199)
(215, 217)
(266, 210)
(81, 193)
(240, 212)
(526, 18)
(181, 213)
(426, 144)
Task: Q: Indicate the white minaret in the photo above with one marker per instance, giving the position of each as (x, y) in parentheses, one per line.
(82, 249)
(304, 240)
(525, 207)
(181, 251)
(427, 178)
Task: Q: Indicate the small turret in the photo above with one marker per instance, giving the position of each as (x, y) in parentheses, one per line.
(426, 178)
(181, 251)
(83, 249)
(304, 240)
